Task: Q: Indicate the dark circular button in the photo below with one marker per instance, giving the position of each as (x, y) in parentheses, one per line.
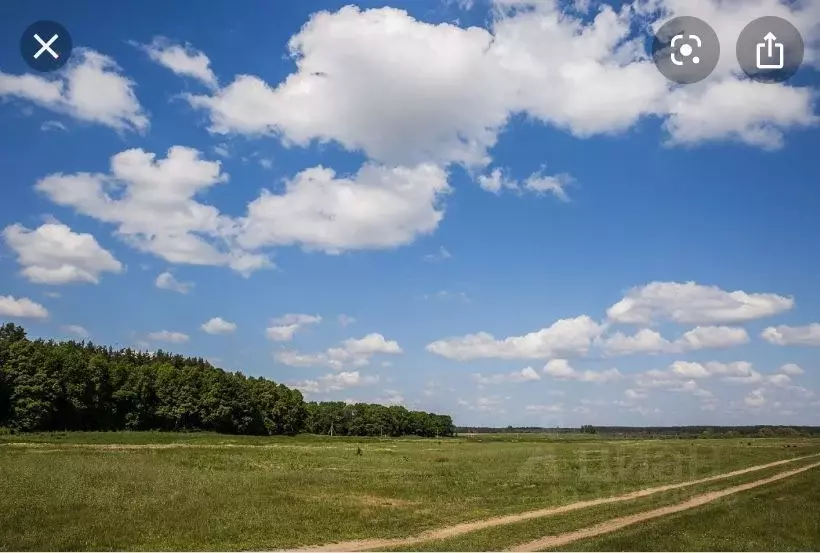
(45, 46)
(686, 50)
(770, 50)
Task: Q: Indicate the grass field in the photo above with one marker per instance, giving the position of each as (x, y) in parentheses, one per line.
(162, 491)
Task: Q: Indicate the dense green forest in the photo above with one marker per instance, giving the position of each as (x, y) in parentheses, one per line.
(48, 385)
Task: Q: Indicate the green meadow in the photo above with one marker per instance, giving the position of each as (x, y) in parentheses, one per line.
(199, 491)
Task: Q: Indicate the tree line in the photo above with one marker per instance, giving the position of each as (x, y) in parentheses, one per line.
(654, 431)
(47, 385)
(368, 419)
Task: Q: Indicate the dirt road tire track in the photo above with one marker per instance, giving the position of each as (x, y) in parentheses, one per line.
(467, 527)
(615, 524)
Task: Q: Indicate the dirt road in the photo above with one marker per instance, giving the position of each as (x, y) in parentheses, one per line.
(466, 527)
(614, 524)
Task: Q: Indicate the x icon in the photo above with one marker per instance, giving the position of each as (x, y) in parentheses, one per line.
(46, 46)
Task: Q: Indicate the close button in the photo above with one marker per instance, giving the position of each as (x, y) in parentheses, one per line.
(45, 46)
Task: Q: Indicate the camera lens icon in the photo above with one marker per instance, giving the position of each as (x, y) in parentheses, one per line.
(685, 50)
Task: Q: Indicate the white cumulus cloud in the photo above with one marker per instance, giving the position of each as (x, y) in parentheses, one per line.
(334, 382)
(651, 342)
(527, 374)
(560, 369)
(218, 325)
(784, 335)
(401, 90)
(284, 328)
(182, 59)
(151, 203)
(404, 91)
(167, 281)
(736, 371)
(21, 308)
(91, 89)
(712, 337)
(564, 337)
(750, 112)
(692, 303)
(643, 341)
(377, 208)
(353, 352)
(781, 380)
(791, 369)
(54, 254)
(671, 383)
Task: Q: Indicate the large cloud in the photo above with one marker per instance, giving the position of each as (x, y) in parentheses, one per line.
(54, 254)
(692, 303)
(90, 89)
(151, 201)
(405, 92)
(378, 207)
(754, 113)
(726, 105)
(564, 337)
(600, 83)
(414, 97)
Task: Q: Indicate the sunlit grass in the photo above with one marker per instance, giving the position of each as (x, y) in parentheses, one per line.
(227, 493)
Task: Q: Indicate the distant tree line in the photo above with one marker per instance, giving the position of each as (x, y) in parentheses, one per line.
(514, 430)
(654, 431)
(48, 385)
(368, 419)
(762, 431)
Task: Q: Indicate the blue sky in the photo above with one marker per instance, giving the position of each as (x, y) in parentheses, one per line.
(501, 212)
